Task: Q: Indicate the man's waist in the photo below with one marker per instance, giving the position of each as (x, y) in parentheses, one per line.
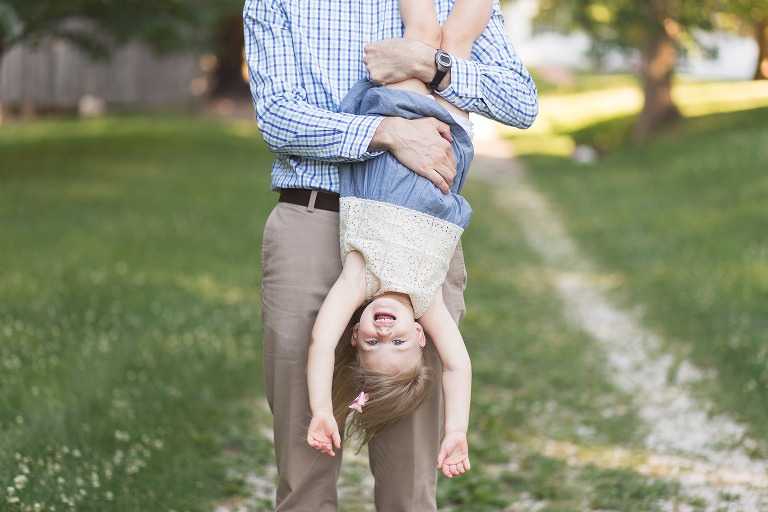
(304, 174)
(312, 199)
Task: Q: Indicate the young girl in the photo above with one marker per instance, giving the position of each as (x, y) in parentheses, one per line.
(398, 234)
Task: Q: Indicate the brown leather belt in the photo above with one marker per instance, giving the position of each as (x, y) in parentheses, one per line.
(303, 197)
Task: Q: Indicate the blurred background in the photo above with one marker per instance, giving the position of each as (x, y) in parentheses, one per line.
(617, 261)
(91, 56)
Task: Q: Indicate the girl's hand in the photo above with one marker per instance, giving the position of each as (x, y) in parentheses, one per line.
(323, 433)
(453, 458)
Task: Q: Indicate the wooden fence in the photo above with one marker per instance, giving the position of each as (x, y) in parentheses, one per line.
(56, 75)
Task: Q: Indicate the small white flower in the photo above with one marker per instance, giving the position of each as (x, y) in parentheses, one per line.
(20, 481)
(37, 507)
(109, 496)
(11, 491)
(13, 499)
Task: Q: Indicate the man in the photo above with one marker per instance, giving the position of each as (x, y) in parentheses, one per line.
(304, 55)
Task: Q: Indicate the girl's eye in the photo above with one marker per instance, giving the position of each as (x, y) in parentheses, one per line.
(398, 342)
(372, 342)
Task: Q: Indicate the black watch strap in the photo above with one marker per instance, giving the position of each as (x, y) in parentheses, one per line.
(443, 65)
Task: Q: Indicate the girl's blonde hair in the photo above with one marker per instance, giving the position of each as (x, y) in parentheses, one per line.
(390, 397)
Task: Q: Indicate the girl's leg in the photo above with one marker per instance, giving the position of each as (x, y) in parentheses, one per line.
(420, 21)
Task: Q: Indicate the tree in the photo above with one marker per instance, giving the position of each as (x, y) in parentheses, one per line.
(751, 16)
(98, 26)
(657, 29)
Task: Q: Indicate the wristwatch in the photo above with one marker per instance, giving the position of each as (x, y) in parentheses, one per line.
(443, 65)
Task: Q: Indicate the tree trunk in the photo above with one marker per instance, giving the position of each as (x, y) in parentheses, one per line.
(761, 35)
(2, 54)
(659, 56)
(229, 74)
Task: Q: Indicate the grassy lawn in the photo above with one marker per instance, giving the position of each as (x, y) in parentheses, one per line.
(130, 345)
(129, 324)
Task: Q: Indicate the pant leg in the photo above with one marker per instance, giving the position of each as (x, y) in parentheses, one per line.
(301, 261)
(403, 459)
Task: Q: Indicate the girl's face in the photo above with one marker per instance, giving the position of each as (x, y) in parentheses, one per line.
(387, 335)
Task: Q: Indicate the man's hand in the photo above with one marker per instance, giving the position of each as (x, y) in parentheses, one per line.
(453, 458)
(422, 145)
(394, 60)
(323, 433)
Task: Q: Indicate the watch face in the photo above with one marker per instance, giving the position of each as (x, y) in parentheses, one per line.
(444, 60)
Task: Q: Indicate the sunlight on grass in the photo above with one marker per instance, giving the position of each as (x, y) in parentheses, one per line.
(700, 99)
(647, 463)
(562, 114)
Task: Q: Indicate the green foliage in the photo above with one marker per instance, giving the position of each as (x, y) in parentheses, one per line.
(96, 26)
(626, 24)
(749, 11)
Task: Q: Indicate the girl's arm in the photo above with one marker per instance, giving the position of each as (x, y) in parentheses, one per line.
(346, 295)
(453, 458)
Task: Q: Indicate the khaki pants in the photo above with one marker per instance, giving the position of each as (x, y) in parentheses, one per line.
(301, 262)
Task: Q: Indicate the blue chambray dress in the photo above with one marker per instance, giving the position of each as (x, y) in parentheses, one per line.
(404, 226)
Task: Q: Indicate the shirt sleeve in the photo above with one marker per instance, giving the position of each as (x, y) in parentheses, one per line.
(289, 123)
(495, 83)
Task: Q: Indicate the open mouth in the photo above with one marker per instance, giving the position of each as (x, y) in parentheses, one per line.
(384, 319)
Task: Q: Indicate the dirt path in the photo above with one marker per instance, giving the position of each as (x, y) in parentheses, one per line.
(706, 453)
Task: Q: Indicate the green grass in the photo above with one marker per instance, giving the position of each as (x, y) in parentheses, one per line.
(129, 325)
(684, 220)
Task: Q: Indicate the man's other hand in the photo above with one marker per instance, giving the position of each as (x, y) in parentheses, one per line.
(422, 145)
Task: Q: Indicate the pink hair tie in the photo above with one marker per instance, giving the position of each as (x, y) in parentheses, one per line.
(359, 402)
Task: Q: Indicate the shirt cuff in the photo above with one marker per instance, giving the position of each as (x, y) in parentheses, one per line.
(464, 88)
(358, 137)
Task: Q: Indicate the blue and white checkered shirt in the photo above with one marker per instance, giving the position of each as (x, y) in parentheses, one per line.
(304, 55)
